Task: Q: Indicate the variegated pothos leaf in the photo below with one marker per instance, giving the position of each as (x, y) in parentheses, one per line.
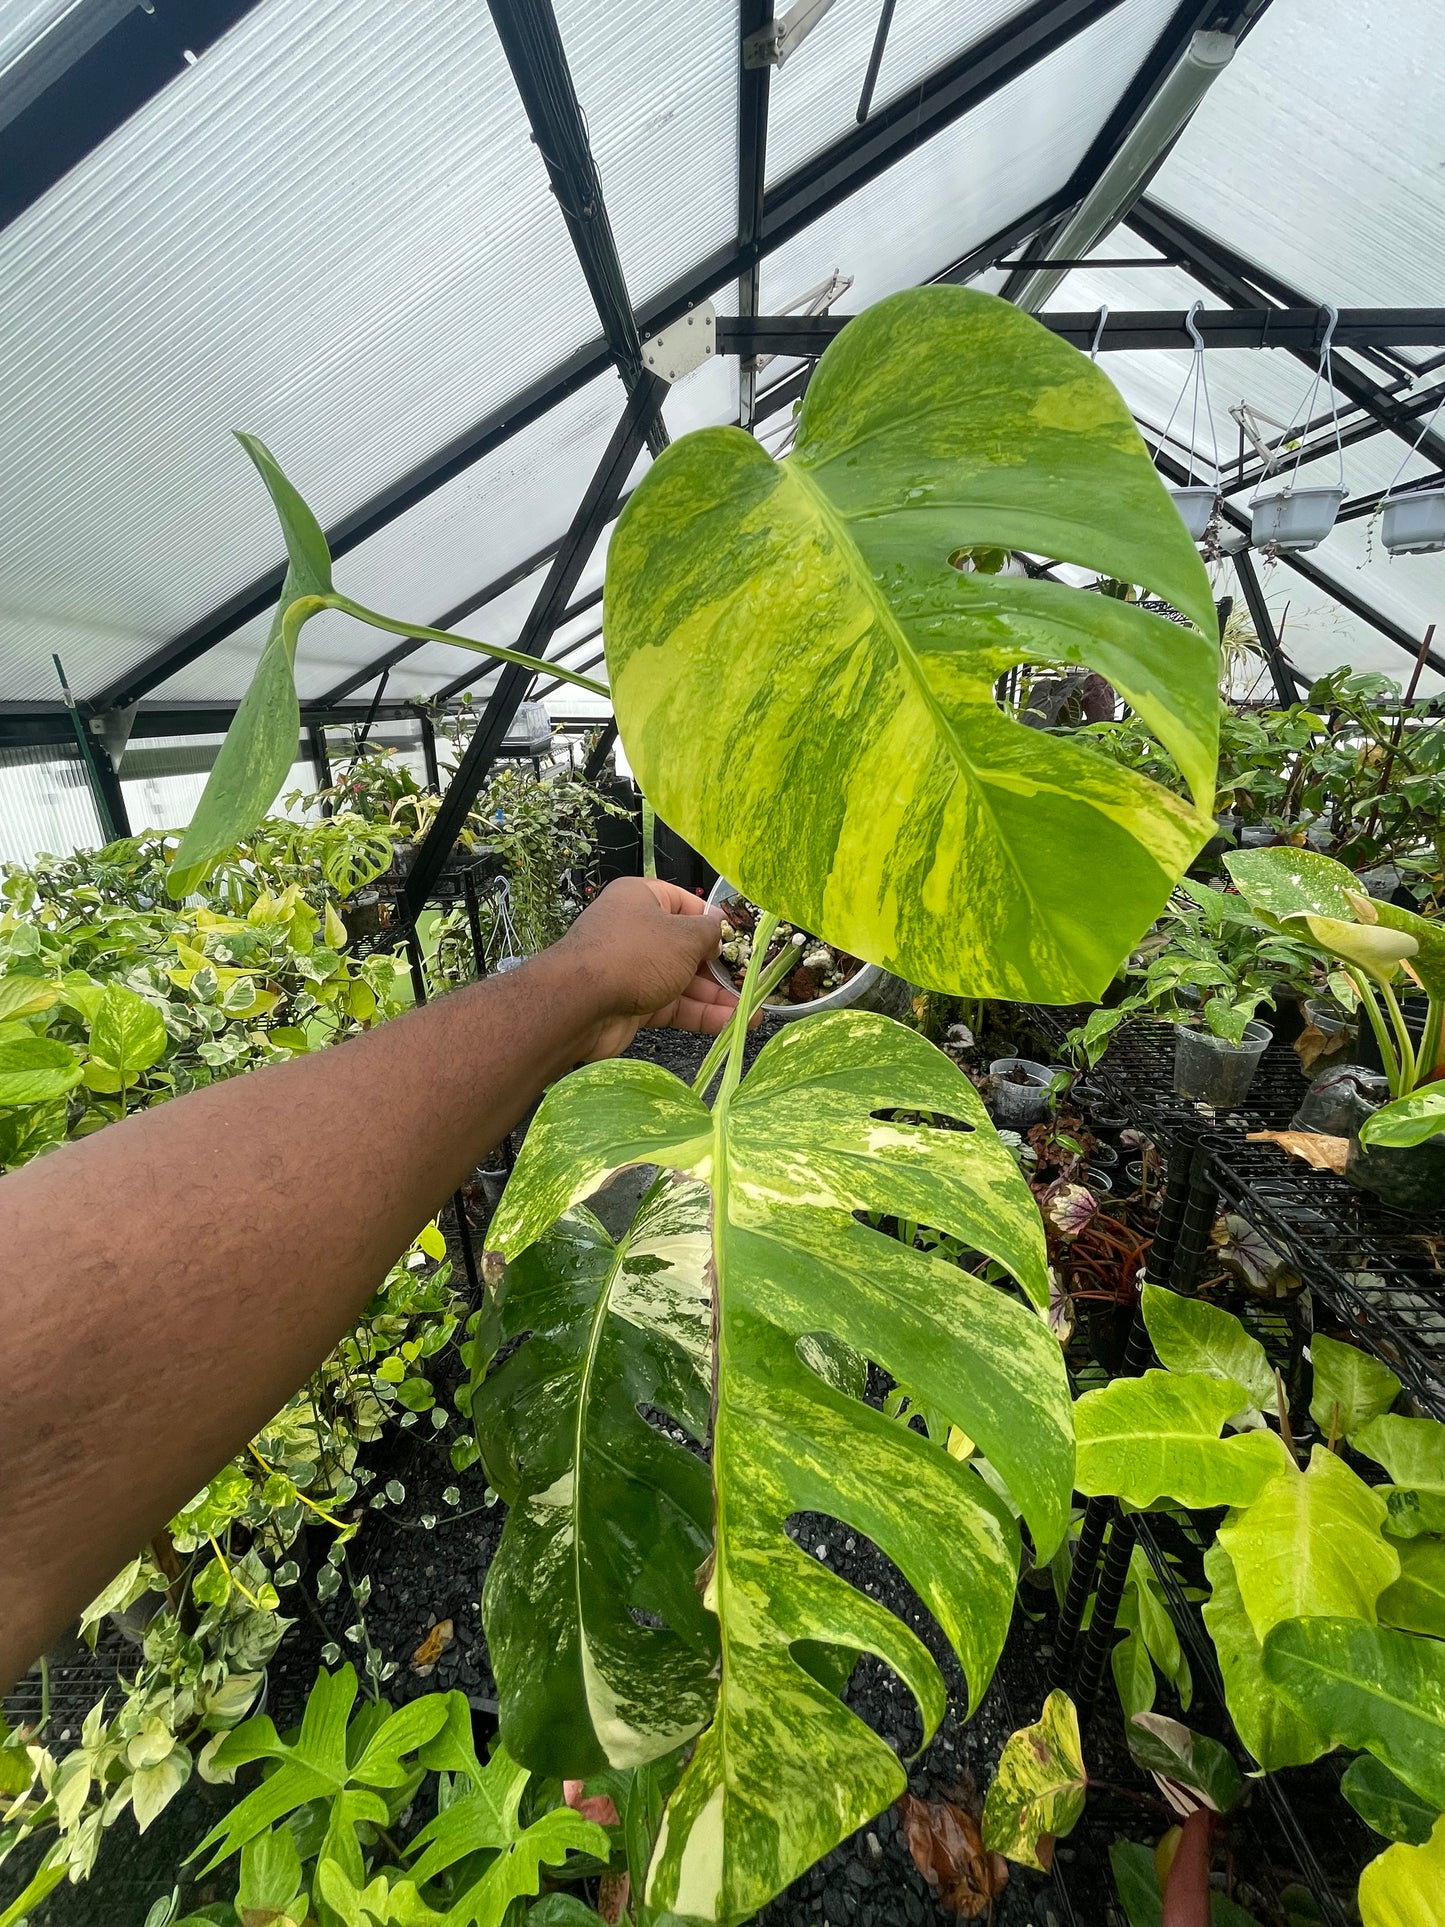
(785, 1771)
(789, 643)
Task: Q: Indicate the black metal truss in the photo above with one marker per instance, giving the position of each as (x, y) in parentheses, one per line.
(840, 170)
(532, 43)
(753, 88)
(1281, 674)
(1241, 282)
(596, 509)
(97, 66)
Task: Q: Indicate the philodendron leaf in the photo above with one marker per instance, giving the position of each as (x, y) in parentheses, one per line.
(1191, 1760)
(127, 1037)
(1286, 886)
(1412, 1451)
(788, 642)
(35, 1069)
(260, 747)
(1416, 1600)
(1268, 1724)
(1368, 1687)
(1350, 1388)
(1157, 1437)
(1403, 1887)
(1385, 1803)
(785, 1771)
(1191, 1335)
(607, 1513)
(1312, 1542)
(1037, 1792)
(1409, 1120)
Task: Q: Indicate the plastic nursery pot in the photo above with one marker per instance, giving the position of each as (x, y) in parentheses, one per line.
(1020, 1093)
(1099, 1182)
(1415, 524)
(1409, 1178)
(869, 988)
(1327, 1017)
(1195, 506)
(1339, 1099)
(1296, 518)
(1103, 1157)
(1210, 1070)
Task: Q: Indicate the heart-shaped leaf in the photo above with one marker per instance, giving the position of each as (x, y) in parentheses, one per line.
(1191, 1335)
(1188, 1759)
(34, 1069)
(789, 643)
(1289, 887)
(1409, 1120)
(607, 1512)
(1350, 1388)
(793, 1156)
(1037, 1791)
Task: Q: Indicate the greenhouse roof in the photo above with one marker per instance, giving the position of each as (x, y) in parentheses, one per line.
(331, 223)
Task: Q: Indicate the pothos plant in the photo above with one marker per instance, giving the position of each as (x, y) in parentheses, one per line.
(804, 683)
(1327, 1592)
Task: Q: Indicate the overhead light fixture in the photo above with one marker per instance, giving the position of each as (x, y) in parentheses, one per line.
(1119, 186)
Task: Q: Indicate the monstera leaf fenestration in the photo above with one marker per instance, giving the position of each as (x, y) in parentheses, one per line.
(609, 1515)
(790, 646)
(791, 1155)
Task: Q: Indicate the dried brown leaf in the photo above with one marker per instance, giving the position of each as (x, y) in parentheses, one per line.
(424, 1659)
(1314, 1148)
(948, 1851)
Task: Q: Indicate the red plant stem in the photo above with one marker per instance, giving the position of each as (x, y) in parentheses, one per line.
(1186, 1891)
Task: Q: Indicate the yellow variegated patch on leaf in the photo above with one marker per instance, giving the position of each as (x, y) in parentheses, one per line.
(805, 683)
(794, 1155)
(1037, 1793)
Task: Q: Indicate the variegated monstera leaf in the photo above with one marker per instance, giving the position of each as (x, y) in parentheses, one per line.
(812, 1138)
(805, 683)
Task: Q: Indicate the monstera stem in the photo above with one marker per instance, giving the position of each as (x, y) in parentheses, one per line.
(767, 984)
(304, 607)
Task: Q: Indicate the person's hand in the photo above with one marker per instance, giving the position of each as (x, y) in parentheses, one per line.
(644, 947)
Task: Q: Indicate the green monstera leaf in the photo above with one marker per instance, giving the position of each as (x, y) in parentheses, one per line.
(811, 1139)
(790, 643)
(608, 1515)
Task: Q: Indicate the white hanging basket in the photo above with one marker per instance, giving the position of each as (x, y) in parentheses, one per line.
(1196, 508)
(1415, 524)
(1294, 519)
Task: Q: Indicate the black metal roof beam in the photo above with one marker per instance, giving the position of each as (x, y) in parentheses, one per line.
(753, 17)
(99, 64)
(848, 164)
(1281, 674)
(532, 43)
(1240, 282)
(596, 509)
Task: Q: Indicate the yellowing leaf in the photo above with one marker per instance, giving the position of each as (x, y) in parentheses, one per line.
(1037, 1793)
(430, 1240)
(1405, 1887)
(334, 930)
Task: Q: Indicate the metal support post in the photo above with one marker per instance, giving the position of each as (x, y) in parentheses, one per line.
(755, 17)
(320, 762)
(429, 754)
(1112, 1581)
(1264, 627)
(596, 507)
(474, 924)
(459, 1203)
(599, 753)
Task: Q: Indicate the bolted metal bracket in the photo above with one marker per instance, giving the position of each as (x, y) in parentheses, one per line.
(771, 45)
(690, 341)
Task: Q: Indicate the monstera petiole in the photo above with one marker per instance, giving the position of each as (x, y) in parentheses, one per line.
(644, 1594)
(804, 680)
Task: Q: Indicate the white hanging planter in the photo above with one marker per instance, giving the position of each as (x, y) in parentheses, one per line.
(1196, 509)
(1294, 519)
(1415, 524)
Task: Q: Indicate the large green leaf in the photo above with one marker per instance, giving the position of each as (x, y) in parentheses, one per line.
(1268, 1724)
(788, 643)
(805, 1144)
(1403, 1887)
(1369, 1687)
(127, 1036)
(1191, 1335)
(1350, 1388)
(1037, 1791)
(1385, 1802)
(1416, 1600)
(1412, 1451)
(1408, 1121)
(1312, 1542)
(1294, 887)
(608, 1515)
(35, 1069)
(1157, 1437)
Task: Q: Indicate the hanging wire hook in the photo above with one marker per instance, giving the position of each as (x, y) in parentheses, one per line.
(1414, 448)
(1195, 382)
(1099, 330)
(1303, 413)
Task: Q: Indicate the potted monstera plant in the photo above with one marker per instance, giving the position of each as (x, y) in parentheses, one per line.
(791, 645)
(1396, 1148)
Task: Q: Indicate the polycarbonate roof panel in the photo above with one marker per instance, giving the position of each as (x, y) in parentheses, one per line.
(452, 545)
(1318, 152)
(976, 177)
(335, 231)
(659, 89)
(813, 97)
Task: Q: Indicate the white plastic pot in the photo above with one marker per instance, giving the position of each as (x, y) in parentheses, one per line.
(1195, 506)
(1415, 524)
(864, 985)
(1295, 519)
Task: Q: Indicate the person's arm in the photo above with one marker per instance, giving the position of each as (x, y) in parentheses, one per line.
(167, 1284)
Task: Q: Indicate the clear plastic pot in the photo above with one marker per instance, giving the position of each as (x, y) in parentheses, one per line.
(1295, 519)
(1195, 506)
(1339, 1099)
(1415, 524)
(1210, 1070)
(1020, 1092)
